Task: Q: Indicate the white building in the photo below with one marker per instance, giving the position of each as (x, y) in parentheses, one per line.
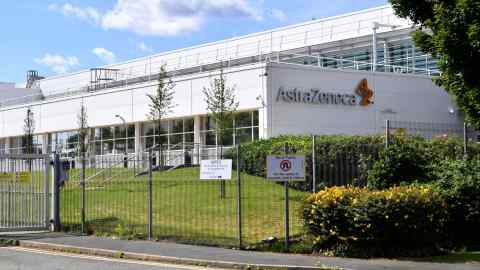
(309, 78)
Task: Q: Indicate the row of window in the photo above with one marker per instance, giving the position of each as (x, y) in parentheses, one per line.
(121, 139)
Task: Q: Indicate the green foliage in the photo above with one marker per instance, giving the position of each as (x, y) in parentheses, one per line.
(161, 102)
(399, 163)
(401, 221)
(450, 31)
(407, 159)
(221, 104)
(28, 131)
(459, 182)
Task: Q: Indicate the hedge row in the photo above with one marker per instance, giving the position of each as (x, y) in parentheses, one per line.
(411, 220)
(358, 158)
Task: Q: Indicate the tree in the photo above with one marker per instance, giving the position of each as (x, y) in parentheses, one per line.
(161, 102)
(83, 136)
(450, 31)
(27, 140)
(221, 106)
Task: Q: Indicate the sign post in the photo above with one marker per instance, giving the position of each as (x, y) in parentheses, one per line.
(287, 168)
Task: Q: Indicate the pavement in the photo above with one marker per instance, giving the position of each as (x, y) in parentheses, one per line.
(180, 254)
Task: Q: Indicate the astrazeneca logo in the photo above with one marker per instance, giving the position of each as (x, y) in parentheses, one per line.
(362, 96)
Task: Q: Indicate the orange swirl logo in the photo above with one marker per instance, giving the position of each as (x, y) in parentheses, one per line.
(365, 92)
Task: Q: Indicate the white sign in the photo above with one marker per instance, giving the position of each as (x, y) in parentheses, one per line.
(286, 168)
(216, 169)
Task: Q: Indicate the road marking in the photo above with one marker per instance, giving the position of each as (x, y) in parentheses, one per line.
(97, 258)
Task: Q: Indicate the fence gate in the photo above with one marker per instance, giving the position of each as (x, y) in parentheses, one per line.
(24, 193)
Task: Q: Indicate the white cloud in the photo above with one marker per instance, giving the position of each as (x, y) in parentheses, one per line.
(87, 14)
(105, 55)
(58, 63)
(161, 17)
(144, 47)
(279, 14)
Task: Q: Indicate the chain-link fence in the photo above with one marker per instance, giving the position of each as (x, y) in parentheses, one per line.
(151, 196)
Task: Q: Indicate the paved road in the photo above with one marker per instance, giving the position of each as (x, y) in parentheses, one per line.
(16, 258)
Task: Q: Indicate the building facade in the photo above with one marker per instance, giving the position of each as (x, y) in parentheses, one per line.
(339, 75)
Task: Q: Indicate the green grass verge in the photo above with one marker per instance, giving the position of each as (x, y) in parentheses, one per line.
(184, 208)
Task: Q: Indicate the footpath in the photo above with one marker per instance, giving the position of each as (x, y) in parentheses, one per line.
(168, 252)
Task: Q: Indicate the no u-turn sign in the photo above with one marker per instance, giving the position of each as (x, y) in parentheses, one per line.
(286, 168)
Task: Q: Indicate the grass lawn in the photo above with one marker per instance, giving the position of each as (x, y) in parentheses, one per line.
(184, 207)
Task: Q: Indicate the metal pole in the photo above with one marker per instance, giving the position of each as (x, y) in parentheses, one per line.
(46, 189)
(314, 166)
(387, 133)
(82, 198)
(239, 199)
(56, 193)
(465, 139)
(150, 206)
(287, 214)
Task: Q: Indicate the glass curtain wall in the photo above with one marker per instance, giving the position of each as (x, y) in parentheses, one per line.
(172, 133)
(243, 128)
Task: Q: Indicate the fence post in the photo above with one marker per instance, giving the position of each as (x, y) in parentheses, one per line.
(149, 196)
(82, 198)
(387, 133)
(287, 214)
(239, 199)
(46, 189)
(56, 193)
(465, 140)
(314, 166)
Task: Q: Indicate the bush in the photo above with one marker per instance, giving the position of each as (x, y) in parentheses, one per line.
(459, 183)
(358, 222)
(399, 163)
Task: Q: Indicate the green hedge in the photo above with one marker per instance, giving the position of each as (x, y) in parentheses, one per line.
(358, 222)
(350, 160)
(459, 183)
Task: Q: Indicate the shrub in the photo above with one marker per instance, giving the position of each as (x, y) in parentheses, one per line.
(399, 163)
(459, 182)
(401, 221)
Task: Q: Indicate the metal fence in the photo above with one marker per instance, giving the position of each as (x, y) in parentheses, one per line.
(158, 200)
(24, 192)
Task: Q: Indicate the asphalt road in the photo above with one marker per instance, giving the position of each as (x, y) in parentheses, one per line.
(16, 258)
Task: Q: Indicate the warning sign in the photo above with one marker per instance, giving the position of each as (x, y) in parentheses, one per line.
(216, 169)
(286, 168)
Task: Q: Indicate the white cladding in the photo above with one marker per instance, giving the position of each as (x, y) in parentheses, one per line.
(311, 33)
(60, 114)
(396, 97)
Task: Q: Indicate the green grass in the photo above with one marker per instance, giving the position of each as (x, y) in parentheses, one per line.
(184, 208)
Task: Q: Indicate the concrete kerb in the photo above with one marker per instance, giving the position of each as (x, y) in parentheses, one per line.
(160, 259)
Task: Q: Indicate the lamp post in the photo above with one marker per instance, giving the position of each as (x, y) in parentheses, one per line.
(125, 160)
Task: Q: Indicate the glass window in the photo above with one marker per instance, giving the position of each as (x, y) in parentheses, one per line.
(255, 118)
(243, 119)
(131, 145)
(177, 126)
(176, 139)
(107, 133)
(131, 131)
(120, 132)
(188, 125)
(189, 138)
(243, 135)
(107, 147)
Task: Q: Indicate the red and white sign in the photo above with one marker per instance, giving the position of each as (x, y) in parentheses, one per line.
(286, 168)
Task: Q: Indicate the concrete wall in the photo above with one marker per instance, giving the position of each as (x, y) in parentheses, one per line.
(396, 97)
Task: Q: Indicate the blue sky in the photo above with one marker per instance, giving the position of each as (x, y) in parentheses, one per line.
(55, 36)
